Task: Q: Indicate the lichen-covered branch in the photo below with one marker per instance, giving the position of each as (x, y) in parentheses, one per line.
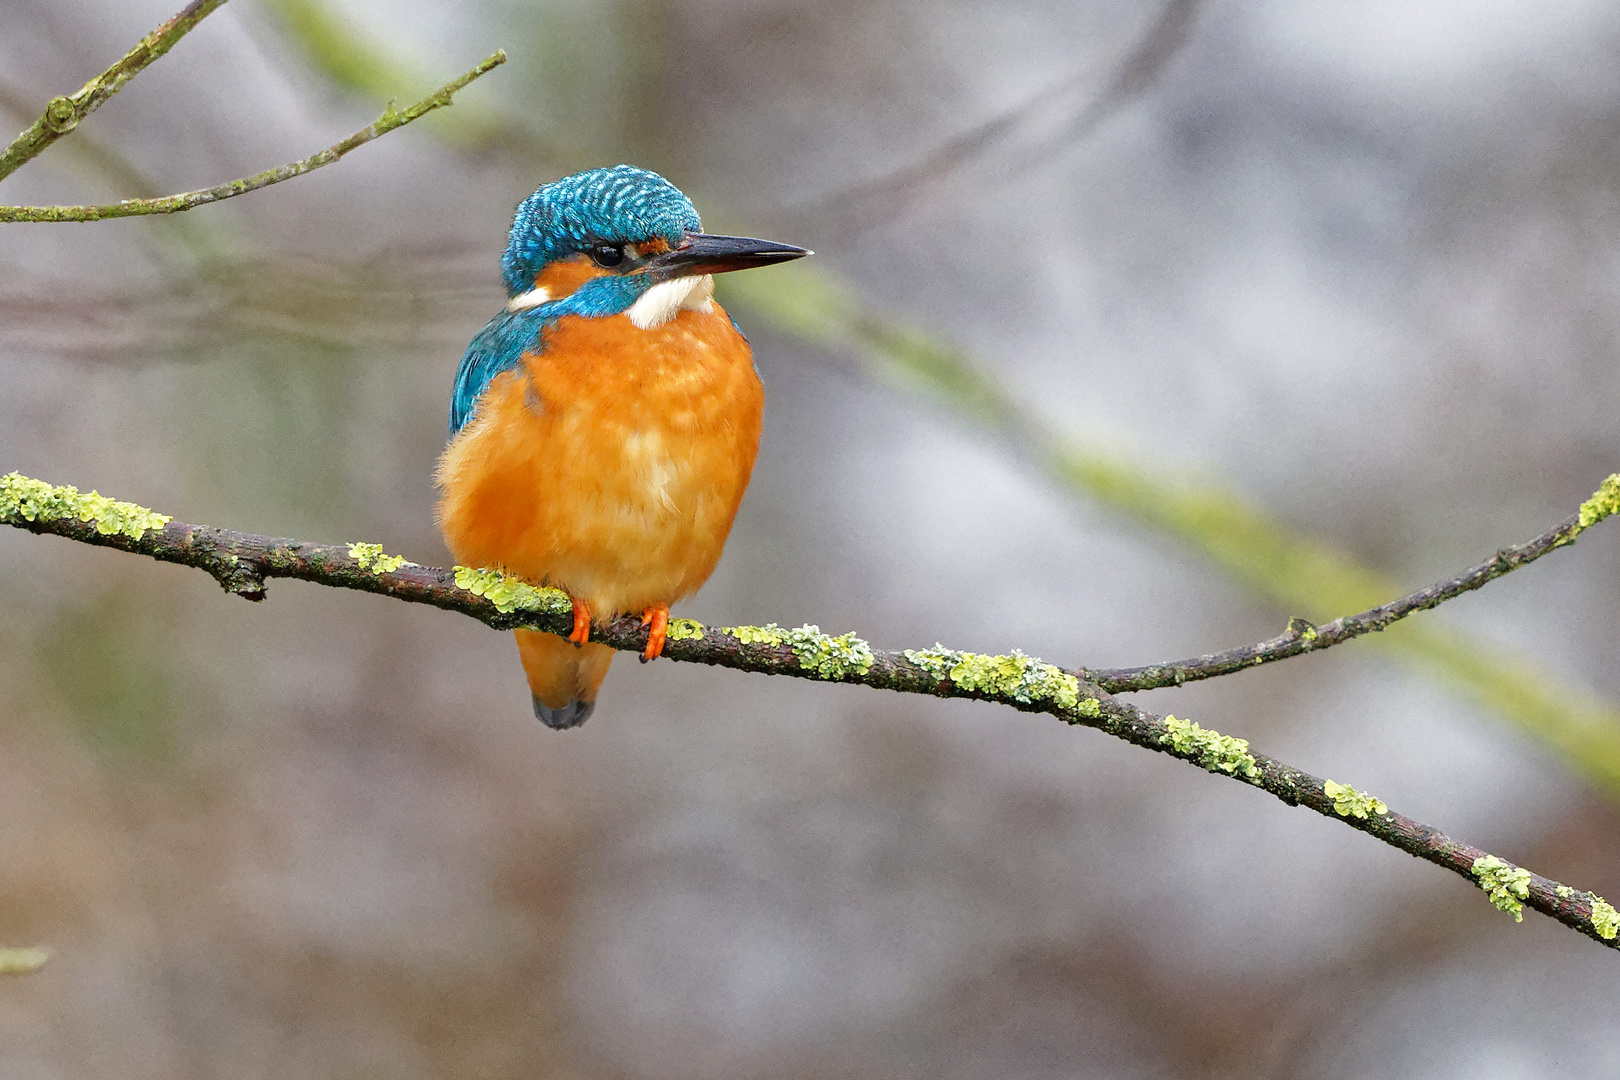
(63, 114)
(173, 204)
(1301, 637)
(242, 563)
(1259, 552)
(1254, 549)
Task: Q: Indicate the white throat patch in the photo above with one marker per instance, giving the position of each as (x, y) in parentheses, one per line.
(533, 298)
(664, 301)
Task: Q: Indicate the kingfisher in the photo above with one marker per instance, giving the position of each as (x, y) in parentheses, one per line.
(603, 427)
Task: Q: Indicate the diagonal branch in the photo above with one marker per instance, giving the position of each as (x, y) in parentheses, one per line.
(884, 196)
(174, 204)
(1256, 550)
(22, 961)
(357, 62)
(1301, 637)
(62, 114)
(243, 562)
(109, 166)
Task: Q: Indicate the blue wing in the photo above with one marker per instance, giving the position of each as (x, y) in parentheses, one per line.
(499, 347)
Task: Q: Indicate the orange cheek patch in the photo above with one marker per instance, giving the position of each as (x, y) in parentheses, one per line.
(656, 246)
(562, 277)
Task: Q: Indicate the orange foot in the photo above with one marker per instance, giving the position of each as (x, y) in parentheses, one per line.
(656, 618)
(582, 622)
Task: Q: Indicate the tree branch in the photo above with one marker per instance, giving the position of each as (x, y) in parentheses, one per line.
(174, 204)
(242, 563)
(108, 165)
(356, 61)
(22, 961)
(63, 114)
(1301, 637)
(864, 203)
(1254, 549)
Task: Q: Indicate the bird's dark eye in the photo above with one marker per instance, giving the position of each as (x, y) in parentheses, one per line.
(607, 254)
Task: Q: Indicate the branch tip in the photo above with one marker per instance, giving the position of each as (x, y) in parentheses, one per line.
(1302, 636)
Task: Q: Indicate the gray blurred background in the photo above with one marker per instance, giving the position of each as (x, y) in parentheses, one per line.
(1359, 259)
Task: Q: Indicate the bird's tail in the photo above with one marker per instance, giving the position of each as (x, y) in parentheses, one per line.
(563, 677)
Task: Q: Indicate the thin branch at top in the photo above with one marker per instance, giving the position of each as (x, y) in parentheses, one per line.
(242, 563)
(174, 204)
(863, 203)
(62, 114)
(1301, 637)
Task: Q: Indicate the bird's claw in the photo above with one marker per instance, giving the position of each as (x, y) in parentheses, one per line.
(656, 619)
(582, 622)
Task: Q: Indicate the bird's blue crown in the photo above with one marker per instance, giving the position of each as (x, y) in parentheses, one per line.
(567, 217)
(619, 205)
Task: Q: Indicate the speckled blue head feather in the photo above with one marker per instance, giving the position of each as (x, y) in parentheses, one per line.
(618, 205)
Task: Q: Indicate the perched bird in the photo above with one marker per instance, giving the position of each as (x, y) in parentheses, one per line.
(604, 426)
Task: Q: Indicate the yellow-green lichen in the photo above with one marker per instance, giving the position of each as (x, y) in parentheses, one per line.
(937, 661)
(371, 557)
(830, 657)
(1348, 802)
(1604, 502)
(24, 498)
(1507, 885)
(1025, 679)
(1605, 920)
(769, 634)
(510, 594)
(28, 961)
(1564, 892)
(684, 630)
(1209, 748)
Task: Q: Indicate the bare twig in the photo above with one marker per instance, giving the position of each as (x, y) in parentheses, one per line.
(174, 204)
(63, 114)
(1301, 637)
(242, 563)
(859, 205)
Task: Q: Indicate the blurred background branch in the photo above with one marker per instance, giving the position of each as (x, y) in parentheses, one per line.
(22, 961)
(356, 61)
(1080, 106)
(1259, 552)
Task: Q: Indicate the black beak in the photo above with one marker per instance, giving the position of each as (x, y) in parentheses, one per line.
(701, 253)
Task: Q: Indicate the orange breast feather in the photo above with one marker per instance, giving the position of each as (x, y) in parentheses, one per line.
(610, 464)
